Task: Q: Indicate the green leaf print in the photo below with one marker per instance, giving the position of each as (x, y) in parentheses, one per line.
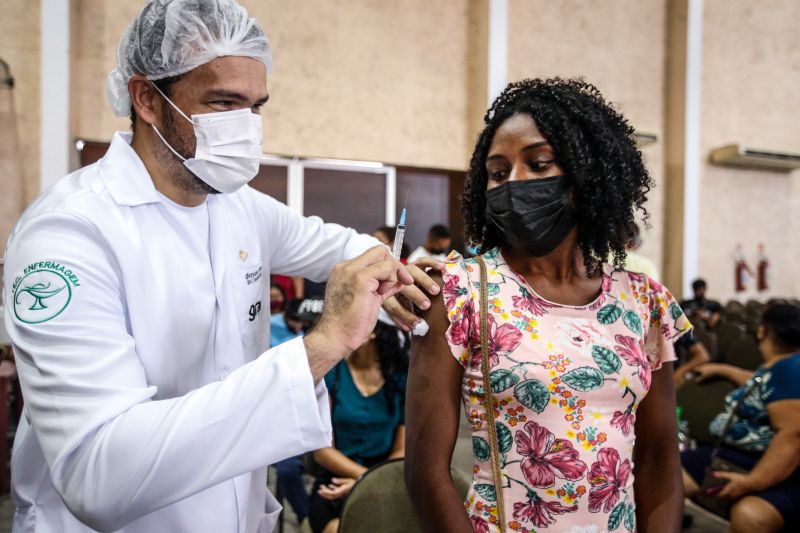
(504, 438)
(609, 314)
(607, 360)
(532, 394)
(616, 516)
(584, 378)
(486, 491)
(502, 379)
(675, 311)
(480, 449)
(491, 254)
(630, 517)
(632, 320)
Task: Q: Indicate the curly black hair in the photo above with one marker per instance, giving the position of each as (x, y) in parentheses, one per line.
(595, 146)
(393, 361)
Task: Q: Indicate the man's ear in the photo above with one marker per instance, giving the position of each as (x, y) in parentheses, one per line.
(145, 99)
(761, 333)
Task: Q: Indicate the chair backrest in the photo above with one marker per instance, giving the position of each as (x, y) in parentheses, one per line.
(727, 334)
(744, 353)
(700, 403)
(709, 341)
(379, 502)
(754, 304)
(735, 311)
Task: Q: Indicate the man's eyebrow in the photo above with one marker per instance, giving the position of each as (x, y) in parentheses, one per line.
(233, 95)
(226, 94)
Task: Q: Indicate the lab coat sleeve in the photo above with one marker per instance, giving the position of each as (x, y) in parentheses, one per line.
(114, 453)
(306, 246)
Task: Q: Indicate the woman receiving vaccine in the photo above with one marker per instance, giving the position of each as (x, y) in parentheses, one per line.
(581, 433)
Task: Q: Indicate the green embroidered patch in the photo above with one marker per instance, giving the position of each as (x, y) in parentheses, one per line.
(43, 291)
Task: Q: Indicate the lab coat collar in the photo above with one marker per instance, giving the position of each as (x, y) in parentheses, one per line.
(125, 175)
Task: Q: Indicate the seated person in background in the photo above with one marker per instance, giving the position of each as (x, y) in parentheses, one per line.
(701, 310)
(294, 321)
(367, 394)
(386, 234)
(297, 318)
(436, 245)
(765, 435)
(691, 355)
(277, 299)
(288, 285)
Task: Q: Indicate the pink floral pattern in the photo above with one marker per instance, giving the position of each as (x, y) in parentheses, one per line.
(608, 477)
(567, 382)
(546, 457)
(623, 421)
(630, 350)
(540, 512)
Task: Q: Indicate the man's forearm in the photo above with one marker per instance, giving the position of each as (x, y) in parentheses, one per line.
(322, 353)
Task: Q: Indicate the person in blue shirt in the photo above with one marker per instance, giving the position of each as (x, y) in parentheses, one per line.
(367, 394)
(294, 321)
(764, 437)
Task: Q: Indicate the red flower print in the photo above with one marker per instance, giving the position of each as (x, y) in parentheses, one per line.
(531, 304)
(451, 292)
(545, 457)
(503, 340)
(607, 476)
(459, 331)
(657, 287)
(479, 524)
(599, 302)
(631, 350)
(636, 279)
(607, 282)
(539, 511)
(623, 421)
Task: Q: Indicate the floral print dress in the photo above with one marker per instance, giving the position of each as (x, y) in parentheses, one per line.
(567, 381)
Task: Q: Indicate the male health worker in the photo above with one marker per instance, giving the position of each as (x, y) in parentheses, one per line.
(137, 301)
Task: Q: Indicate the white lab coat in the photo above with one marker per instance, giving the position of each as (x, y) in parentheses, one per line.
(125, 427)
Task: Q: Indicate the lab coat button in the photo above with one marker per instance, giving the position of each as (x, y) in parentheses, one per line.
(224, 375)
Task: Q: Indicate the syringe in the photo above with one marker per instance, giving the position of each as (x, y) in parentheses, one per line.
(400, 233)
(421, 328)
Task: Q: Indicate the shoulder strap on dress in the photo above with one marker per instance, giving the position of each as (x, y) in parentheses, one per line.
(488, 398)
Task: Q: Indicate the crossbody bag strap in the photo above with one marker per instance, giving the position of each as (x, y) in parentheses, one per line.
(729, 422)
(488, 398)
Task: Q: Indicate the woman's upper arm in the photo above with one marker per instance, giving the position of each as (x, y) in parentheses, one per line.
(432, 394)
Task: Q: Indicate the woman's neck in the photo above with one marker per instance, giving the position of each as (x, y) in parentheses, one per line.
(772, 358)
(364, 357)
(562, 265)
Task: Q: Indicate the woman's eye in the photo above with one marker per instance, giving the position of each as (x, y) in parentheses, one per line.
(498, 175)
(538, 166)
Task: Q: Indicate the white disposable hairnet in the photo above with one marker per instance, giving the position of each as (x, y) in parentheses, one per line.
(170, 37)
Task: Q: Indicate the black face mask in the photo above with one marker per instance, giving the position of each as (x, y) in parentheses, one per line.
(532, 215)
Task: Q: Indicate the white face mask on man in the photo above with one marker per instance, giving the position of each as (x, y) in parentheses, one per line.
(228, 152)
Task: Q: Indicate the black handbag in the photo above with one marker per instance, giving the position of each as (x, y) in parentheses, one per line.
(712, 502)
